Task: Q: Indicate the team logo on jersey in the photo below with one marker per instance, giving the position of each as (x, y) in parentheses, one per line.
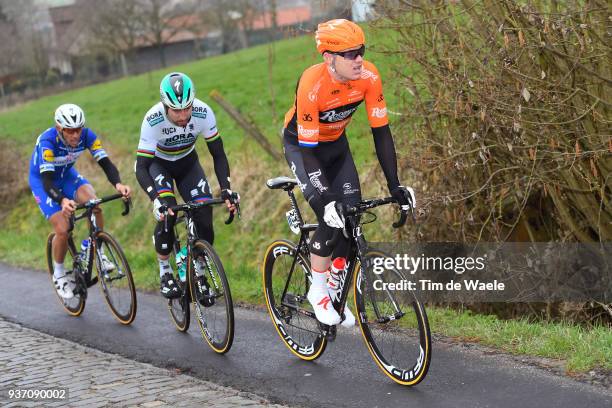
(333, 116)
(199, 112)
(155, 118)
(380, 98)
(307, 117)
(379, 113)
(365, 74)
(48, 156)
(335, 92)
(97, 144)
(302, 131)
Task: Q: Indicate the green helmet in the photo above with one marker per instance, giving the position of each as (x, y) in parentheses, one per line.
(177, 91)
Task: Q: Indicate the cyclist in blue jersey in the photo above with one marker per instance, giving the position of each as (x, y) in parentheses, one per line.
(58, 187)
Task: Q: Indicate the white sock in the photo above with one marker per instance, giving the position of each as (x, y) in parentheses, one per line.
(164, 267)
(58, 270)
(319, 280)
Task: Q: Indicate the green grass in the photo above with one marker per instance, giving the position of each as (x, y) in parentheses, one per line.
(581, 348)
(115, 111)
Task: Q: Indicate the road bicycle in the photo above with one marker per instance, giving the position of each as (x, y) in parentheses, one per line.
(116, 283)
(393, 324)
(205, 284)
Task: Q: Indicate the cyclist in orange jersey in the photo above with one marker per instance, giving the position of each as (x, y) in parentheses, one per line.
(318, 153)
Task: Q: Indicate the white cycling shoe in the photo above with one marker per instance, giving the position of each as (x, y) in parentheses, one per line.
(107, 265)
(349, 318)
(322, 305)
(64, 286)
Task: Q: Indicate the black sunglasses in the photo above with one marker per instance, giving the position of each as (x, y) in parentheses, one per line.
(352, 54)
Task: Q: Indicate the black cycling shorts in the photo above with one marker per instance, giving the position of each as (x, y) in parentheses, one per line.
(339, 168)
(188, 176)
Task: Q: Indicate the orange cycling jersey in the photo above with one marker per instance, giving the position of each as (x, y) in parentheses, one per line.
(323, 106)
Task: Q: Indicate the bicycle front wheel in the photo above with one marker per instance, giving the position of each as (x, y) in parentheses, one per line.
(115, 278)
(179, 307)
(211, 296)
(76, 304)
(393, 323)
(285, 292)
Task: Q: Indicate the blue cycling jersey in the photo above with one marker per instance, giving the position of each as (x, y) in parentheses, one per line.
(51, 154)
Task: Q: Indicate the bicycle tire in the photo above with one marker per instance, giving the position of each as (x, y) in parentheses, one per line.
(118, 283)
(179, 308)
(211, 296)
(402, 353)
(76, 305)
(298, 331)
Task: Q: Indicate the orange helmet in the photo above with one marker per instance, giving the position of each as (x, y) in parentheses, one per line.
(338, 35)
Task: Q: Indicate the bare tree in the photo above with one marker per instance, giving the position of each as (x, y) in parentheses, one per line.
(30, 40)
(115, 28)
(162, 20)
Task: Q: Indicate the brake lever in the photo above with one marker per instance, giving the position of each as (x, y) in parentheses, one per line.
(126, 206)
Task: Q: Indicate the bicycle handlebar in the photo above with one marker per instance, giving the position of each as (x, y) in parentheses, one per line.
(192, 205)
(365, 205)
(96, 201)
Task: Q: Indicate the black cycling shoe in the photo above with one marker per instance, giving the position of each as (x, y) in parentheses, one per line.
(168, 287)
(205, 296)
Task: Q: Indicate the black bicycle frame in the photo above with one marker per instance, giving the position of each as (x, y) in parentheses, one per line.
(357, 247)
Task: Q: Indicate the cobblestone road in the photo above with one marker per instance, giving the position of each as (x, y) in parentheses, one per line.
(34, 360)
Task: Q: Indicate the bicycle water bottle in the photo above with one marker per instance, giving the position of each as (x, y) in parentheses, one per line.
(181, 265)
(336, 278)
(84, 254)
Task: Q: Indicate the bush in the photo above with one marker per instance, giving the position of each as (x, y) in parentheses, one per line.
(510, 111)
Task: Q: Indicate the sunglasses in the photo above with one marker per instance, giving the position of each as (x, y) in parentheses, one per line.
(352, 54)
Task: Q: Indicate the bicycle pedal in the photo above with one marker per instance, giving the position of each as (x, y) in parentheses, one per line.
(330, 332)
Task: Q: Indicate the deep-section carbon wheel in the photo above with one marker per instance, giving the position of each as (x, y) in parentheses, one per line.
(285, 293)
(393, 323)
(115, 278)
(75, 305)
(211, 296)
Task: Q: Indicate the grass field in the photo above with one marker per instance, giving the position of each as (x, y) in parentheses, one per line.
(115, 111)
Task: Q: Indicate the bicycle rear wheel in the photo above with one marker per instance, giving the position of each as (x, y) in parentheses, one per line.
(211, 296)
(291, 314)
(116, 283)
(393, 323)
(75, 305)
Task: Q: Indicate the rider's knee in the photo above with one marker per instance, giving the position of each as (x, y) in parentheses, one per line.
(163, 244)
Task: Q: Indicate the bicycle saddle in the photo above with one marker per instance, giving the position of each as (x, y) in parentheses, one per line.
(285, 183)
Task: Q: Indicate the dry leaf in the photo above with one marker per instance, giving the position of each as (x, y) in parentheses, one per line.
(543, 75)
(578, 149)
(593, 168)
(521, 38)
(532, 154)
(526, 95)
(482, 115)
(506, 40)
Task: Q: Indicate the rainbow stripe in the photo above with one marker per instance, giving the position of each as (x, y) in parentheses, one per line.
(175, 151)
(165, 192)
(145, 153)
(213, 137)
